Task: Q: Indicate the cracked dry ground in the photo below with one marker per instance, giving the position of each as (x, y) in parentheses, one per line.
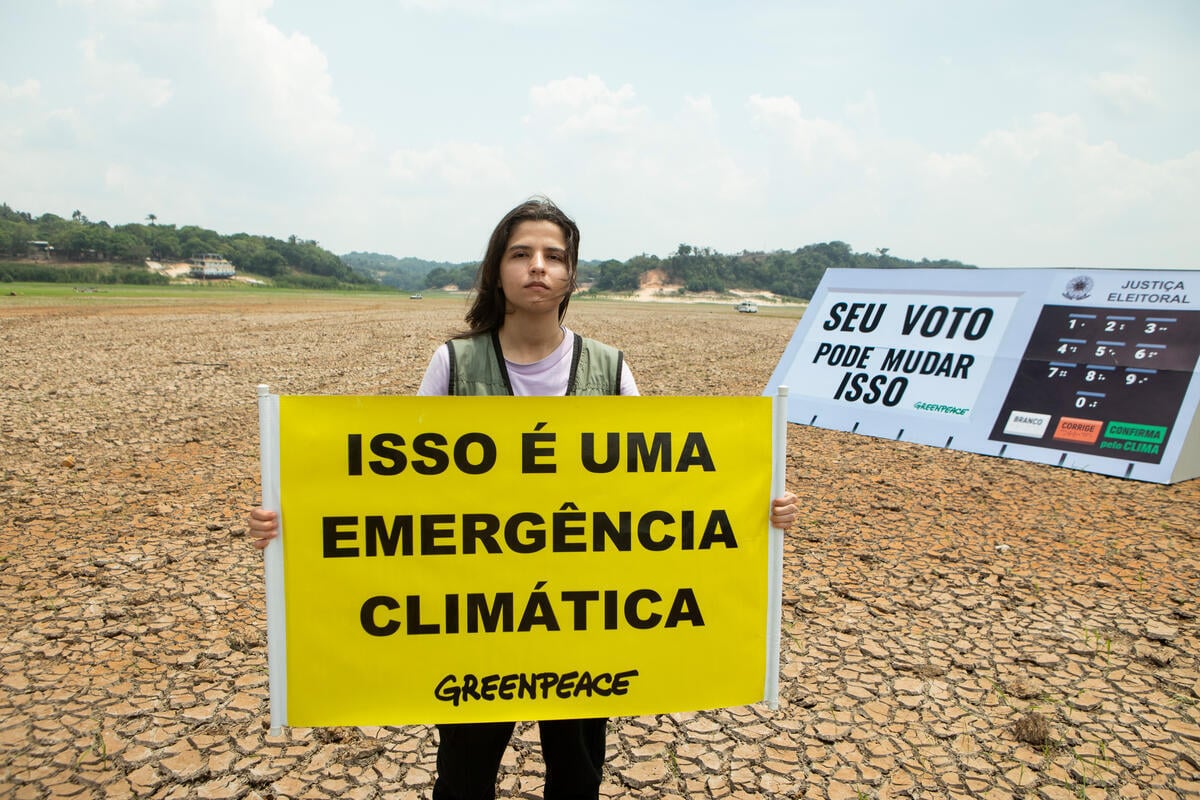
(955, 625)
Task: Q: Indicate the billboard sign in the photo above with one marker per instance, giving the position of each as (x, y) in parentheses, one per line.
(1092, 370)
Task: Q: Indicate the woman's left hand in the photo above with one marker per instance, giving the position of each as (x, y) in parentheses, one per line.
(784, 511)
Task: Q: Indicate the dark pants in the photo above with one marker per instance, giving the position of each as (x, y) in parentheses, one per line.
(469, 756)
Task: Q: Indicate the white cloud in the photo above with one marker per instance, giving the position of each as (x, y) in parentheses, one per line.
(121, 86)
(537, 10)
(27, 89)
(652, 182)
(121, 7)
(1127, 94)
(450, 6)
(460, 164)
(1043, 194)
(280, 82)
(584, 105)
(117, 178)
(951, 166)
(214, 112)
(813, 139)
(249, 126)
(699, 106)
(865, 111)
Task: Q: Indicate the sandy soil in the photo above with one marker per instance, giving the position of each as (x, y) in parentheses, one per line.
(957, 625)
(655, 288)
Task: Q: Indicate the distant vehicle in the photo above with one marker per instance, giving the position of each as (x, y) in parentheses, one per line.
(746, 307)
(415, 297)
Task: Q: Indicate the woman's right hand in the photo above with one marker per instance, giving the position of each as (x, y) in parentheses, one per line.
(264, 526)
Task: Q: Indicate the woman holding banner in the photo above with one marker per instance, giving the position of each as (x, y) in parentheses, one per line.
(516, 344)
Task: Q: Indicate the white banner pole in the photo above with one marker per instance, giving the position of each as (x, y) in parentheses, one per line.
(268, 453)
(775, 554)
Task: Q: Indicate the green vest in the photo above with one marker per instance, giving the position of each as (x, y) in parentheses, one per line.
(477, 367)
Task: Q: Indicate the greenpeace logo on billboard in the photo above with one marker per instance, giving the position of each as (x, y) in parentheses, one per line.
(938, 408)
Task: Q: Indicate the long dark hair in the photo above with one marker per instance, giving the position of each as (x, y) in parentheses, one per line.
(488, 308)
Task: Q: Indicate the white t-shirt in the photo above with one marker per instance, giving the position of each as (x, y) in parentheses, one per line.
(545, 378)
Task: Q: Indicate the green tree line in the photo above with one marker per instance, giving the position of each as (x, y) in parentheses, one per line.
(78, 240)
(791, 273)
(304, 263)
(410, 274)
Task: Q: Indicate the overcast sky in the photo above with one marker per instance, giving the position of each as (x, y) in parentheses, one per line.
(1052, 134)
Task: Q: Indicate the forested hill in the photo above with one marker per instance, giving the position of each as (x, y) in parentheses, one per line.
(791, 273)
(78, 240)
(408, 274)
(122, 250)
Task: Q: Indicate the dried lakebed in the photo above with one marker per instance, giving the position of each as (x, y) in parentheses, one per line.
(954, 625)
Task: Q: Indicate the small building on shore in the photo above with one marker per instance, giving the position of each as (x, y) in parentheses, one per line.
(41, 251)
(211, 265)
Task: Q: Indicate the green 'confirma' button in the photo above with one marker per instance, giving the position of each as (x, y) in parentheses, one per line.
(1134, 432)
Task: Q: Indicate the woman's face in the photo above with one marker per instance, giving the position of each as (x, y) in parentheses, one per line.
(533, 271)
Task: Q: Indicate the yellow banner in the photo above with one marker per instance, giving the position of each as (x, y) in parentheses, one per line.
(465, 559)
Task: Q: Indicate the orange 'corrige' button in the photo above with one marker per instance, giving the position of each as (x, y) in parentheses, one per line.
(1084, 431)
